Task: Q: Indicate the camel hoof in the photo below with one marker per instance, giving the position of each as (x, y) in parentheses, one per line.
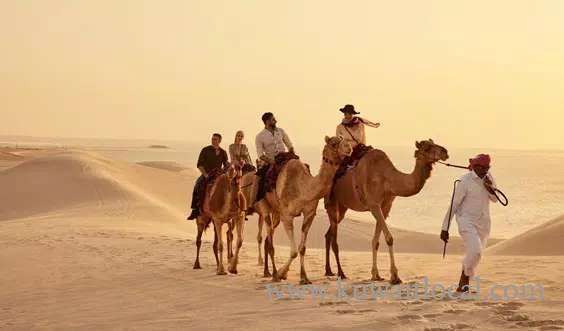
(395, 280)
(329, 273)
(377, 279)
(267, 275)
(221, 273)
(233, 270)
(305, 282)
(197, 265)
(275, 279)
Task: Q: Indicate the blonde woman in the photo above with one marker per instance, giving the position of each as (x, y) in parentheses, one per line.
(238, 152)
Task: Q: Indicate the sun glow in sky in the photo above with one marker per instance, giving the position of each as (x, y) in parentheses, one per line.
(466, 73)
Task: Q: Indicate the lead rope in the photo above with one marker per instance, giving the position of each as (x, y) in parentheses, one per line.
(496, 191)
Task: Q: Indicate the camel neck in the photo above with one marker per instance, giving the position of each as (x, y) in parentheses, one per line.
(411, 184)
(321, 184)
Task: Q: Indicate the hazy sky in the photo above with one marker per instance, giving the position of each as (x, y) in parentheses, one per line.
(466, 73)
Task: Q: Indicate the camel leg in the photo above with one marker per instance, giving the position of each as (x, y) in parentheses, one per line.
(331, 212)
(215, 254)
(308, 219)
(340, 214)
(259, 240)
(267, 243)
(230, 240)
(240, 230)
(376, 242)
(335, 248)
(394, 278)
(289, 227)
(218, 224)
(328, 238)
(198, 244)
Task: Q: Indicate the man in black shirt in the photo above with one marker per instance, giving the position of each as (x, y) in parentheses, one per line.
(212, 159)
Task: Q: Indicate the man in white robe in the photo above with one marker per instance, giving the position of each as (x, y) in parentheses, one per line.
(471, 205)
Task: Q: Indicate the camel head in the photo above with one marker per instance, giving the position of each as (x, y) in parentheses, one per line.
(430, 152)
(336, 149)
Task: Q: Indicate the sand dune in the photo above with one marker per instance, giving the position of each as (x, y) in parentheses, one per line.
(546, 239)
(86, 181)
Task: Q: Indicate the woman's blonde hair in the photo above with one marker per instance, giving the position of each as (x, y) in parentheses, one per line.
(239, 132)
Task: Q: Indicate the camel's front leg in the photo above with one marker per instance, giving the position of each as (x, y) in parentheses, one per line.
(217, 225)
(267, 247)
(377, 213)
(308, 219)
(394, 278)
(230, 240)
(288, 223)
(259, 240)
(240, 230)
(198, 243)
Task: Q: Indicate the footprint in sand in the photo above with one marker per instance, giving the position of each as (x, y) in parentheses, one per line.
(544, 324)
(410, 317)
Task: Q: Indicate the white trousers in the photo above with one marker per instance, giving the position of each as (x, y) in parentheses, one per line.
(475, 238)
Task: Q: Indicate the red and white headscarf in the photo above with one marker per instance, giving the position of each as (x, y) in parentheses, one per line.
(480, 159)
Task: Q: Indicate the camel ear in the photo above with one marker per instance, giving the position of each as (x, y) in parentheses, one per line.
(431, 140)
(417, 144)
(327, 139)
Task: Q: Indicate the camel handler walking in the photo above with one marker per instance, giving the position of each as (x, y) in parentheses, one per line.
(471, 205)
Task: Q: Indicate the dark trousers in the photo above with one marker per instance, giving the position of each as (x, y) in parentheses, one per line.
(197, 192)
(261, 173)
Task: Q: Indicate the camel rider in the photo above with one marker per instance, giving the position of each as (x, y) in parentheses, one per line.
(270, 142)
(211, 160)
(471, 205)
(351, 129)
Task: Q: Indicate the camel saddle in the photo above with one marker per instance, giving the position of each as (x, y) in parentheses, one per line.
(279, 162)
(351, 161)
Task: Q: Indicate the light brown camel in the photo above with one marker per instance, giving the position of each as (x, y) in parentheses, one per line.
(224, 203)
(298, 192)
(372, 186)
(248, 186)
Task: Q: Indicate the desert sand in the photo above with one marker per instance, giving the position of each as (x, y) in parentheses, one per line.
(88, 242)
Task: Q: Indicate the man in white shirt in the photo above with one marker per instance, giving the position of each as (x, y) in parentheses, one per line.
(269, 143)
(471, 205)
(272, 140)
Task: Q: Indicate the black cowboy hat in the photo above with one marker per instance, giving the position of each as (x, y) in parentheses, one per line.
(348, 109)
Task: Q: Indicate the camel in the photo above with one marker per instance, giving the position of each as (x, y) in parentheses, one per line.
(224, 203)
(372, 186)
(298, 192)
(248, 187)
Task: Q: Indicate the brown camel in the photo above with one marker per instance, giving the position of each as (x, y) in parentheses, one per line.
(298, 192)
(224, 203)
(372, 186)
(248, 187)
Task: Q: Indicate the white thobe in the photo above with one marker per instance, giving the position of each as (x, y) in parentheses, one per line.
(271, 144)
(471, 206)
